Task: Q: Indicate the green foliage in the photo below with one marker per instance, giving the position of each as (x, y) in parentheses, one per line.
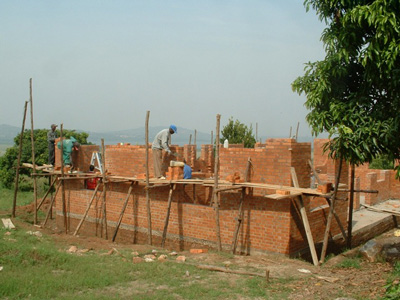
(354, 93)
(383, 162)
(9, 160)
(237, 133)
(351, 262)
(393, 286)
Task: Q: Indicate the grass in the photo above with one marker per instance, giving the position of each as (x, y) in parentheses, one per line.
(34, 267)
(350, 262)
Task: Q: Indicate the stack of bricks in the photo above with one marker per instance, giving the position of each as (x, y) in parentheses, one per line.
(175, 173)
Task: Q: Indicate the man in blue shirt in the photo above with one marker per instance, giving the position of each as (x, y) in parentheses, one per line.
(187, 171)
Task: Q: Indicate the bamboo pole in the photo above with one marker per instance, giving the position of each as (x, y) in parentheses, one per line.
(47, 193)
(62, 175)
(103, 162)
(331, 209)
(215, 194)
(149, 237)
(238, 222)
(51, 203)
(33, 153)
(172, 188)
(122, 211)
(19, 162)
(195, 137)
(351, 204)
(87, 209)
(297, 130)
(304, 217)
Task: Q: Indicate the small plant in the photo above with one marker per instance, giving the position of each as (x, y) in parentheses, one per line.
(350, 263)
(393, 287)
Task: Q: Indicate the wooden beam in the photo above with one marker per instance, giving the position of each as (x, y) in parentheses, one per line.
(19, 162)
(87, 209)
(396, 213)
(47, 193)
(63, 182)
(51, 203)
(315, 173)
(122, 211)
(304, 217)
(103, 162)
(215, 194)
(33, 153)
(148, 203)
(172, 188)
(239, 221)
(228, 188)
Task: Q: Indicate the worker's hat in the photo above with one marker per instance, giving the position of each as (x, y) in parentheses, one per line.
(173, 127)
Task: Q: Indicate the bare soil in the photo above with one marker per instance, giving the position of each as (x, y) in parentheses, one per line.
(305, 280)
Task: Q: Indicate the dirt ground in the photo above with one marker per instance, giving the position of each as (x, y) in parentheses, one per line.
(305, 280)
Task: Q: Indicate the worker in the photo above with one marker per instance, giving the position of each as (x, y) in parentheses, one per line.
(91, 183)
(51, 138)
(161, 141)
(187, 171)
(69, 145)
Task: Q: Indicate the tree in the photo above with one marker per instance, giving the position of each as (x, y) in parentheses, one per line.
(8, 162)
(237, 133)
(354, 93)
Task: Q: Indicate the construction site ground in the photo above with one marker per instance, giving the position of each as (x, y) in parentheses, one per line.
(337, 277)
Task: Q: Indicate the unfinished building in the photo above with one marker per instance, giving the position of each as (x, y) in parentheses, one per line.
(262, 197)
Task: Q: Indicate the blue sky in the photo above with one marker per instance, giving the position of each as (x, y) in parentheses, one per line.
(101, 65)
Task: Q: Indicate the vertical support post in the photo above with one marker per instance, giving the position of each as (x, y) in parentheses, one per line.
(195, 137)
(215, 194)
(103, 165)
(238, 222)
(171, 189)
(331, 210)
(351, 204)
(256, 131)
(297, 130)
(33, 154)
(190, 139)
(63, 181)
(19, 162)
(149, 237)
(212, 137)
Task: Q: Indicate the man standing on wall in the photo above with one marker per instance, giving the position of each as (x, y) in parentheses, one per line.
(68, 146)
(51, 138)
(161, 141)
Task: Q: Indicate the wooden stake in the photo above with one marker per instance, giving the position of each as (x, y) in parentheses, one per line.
(238, 221)
(149, 234)
(304, 217)
(215, 194)
(172, 188)
(331, 209)
(19, 162)
(190, 139)
(351, 203)
(87, 209)
(297, 130)
(195, 137)
(122, 211)
(51, 203)
(47, 193)
(33, 154)
(103, 162)
(63, 182)
(290, 132)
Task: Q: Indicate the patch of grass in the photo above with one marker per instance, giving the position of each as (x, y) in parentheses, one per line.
(349, 262)
(393, 286)
(7, 196)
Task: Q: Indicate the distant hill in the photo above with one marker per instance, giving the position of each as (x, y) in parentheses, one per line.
(133, 136)
(8, 133)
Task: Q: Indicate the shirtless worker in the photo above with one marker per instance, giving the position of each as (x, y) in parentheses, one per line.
(161, 141)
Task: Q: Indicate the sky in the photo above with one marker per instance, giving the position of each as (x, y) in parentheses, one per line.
(101, 65)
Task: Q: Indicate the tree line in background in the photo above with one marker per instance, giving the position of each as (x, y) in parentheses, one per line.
(8, 161)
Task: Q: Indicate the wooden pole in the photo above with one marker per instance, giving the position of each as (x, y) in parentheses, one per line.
(172, 188)
(215, 194)
(47, 193)
(238, 221)
(19, 162)
(103, 163)
(149, 237)
(87, 209)
(33, 154)
(290, 132)
(331, 209)
(190, 139)
(122, 211)
(51, 203)
(195, 137)
(304, 217)
(297, 130)
(351, 204)
(63, 182)
(256, 131)
(212, 137)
